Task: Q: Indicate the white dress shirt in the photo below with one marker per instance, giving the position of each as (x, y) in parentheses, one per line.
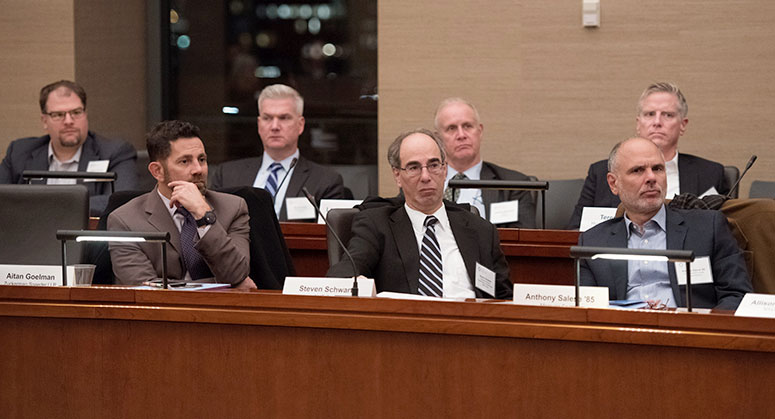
(54, 165)
(469, 196)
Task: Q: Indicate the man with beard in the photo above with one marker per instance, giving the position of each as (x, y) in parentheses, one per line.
(636, 174)
(69, 146)
(209, 230)
(662, 118)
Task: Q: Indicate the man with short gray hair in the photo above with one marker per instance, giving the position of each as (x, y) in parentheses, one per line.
(662, 118)
(280, 123)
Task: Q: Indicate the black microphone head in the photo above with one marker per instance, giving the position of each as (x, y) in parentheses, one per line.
(307, 194)
(750, 162)
(293, 163)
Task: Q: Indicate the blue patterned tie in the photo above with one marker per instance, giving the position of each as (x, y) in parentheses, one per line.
(271, 182)
(431, 283)
(192, 260)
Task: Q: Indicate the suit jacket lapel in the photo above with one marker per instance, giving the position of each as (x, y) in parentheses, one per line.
(676, 235)
(488, 195)
(618, 238)
(687, 175)
(467, 244)
(297, 180)
(89, 153)
(38, 160)
(159, 218)
(406, 242)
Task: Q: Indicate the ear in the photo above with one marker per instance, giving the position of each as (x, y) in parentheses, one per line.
(684, 123)
(44, 122)
(301, 124)
(397, 176)
(611, 178)
(157, 171)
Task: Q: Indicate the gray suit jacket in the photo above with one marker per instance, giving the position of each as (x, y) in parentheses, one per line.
(225, 247)
(385, 248)
(322, 182)
(704, 231)
(696, 175)
(32, 154)
(527, 205)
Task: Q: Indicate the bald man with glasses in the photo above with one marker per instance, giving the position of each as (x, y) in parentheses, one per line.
(424, 245)
(69, 146)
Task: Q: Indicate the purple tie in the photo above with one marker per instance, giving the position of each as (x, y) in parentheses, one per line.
(192, 260)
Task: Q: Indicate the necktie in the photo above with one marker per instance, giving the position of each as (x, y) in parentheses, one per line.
(431, 283)
(192, 260)
(272, 181)
(448, 194)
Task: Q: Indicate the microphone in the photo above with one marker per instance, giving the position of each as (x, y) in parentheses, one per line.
(293, 164)
(747, 166)
(311, 200)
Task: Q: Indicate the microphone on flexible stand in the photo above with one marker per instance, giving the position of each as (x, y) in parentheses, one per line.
(747, 166)
(311, 200)
(293, 164)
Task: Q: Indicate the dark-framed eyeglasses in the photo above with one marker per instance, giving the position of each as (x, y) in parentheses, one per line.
(415, 169)
(76, 113)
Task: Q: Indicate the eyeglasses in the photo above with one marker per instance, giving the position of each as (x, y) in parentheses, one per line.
(657, 304)
(415, 169)
(76, 113)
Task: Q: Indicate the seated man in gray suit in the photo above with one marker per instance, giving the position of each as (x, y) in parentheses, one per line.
(637, 176)
(280, 122)
(425, 246)
(69, 146)
(662, 118)
(457, 122)
(209, 230)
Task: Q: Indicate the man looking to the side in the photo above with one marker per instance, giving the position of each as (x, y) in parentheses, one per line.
(662, 118)
(424, 245)
(637, 176)
(280, 123)
(457, 122)
(69, 146)
(209, 230)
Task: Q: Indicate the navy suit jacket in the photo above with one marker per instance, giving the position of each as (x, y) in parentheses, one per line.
(32, 154)
(322, 182)
(704, 231)
(385, 248)
(527, 205)
(696, 175)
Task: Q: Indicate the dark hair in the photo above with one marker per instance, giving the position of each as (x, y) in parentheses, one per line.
(158, 140)
(70, 85)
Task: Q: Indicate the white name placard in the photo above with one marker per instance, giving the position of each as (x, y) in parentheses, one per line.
(329, 204)
(297, 285)
(592, 216)
(504, 212)
(40, 275)
(757, 305)
(560, 295)
(299, 208)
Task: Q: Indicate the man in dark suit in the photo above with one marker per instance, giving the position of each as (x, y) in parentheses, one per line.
(425, 246)
(457, 122)
(280, 122)
(70, 146)
(662, 118)
(209, 230)
(637, 176)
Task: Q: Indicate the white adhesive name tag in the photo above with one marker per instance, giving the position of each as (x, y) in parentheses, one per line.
(485, 279)
(711, 191)
(297, 285)
(298, 208)
(592, 216)
(40, 275)
(757, 305)
(98, 166)
(504, 212)
(560, 295)
(329, 204)
(701, 271)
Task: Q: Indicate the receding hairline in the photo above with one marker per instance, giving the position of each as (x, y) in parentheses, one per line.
(451, 101)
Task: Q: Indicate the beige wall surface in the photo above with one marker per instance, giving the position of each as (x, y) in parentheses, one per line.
(554, 96)
(37, 44)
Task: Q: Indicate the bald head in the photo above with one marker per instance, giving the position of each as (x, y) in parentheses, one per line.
(636, 173)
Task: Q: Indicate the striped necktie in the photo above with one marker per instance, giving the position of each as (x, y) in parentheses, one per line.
(452, 194)
(272, 181)
(431, 283)
(192, 259)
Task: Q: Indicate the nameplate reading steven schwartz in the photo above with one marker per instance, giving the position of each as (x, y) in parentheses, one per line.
(296, 285)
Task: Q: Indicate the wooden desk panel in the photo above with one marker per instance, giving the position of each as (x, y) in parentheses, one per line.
(534, 256)
(108, 352)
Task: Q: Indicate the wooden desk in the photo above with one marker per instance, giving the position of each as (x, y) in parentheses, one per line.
(112, 352)
(534, 256)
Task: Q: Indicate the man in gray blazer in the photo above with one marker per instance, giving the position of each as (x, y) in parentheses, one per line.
(209, 230)
(637, 176)
(70, 146)
(393, 245)
(280, 122)
(457, 122)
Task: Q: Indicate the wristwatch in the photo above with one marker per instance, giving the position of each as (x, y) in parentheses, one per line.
(208, 219)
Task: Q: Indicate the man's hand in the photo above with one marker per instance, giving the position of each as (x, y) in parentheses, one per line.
(246, 285)
(187, 195)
